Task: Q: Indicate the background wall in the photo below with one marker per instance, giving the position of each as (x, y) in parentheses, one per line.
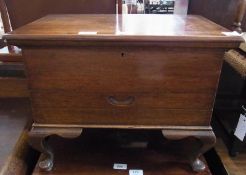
(220, 11)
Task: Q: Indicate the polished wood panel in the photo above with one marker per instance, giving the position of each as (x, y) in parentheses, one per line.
(124, 69)
(122, 28)
(79, 99)
(120, 117)
(69, 74)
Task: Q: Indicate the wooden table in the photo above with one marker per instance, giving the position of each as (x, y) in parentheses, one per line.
(125, 72)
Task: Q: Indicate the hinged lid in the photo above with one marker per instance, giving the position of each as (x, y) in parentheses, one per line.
(123, 28)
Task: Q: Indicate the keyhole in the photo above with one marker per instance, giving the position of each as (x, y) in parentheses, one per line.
(122, 54)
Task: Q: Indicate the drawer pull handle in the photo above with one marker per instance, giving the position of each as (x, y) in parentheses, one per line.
(128, 101)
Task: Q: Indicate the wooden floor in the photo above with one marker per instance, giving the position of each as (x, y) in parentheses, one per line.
(13, 136)
(233, 165)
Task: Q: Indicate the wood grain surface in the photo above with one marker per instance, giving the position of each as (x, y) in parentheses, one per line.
(73, 85)
(95, 79)
(122, 27)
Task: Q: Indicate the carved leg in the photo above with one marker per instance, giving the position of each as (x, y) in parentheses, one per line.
(38, 137)
(39, 142)
(205, 138)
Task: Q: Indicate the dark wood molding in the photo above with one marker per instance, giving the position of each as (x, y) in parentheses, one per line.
(162, 127)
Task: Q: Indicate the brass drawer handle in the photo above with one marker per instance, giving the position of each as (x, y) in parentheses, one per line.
(113, 101)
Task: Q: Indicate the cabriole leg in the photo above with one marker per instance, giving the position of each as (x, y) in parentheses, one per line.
(205, 139)
(38, 139)
(40, 143)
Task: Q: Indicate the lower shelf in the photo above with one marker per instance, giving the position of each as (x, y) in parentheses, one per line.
(83, 157)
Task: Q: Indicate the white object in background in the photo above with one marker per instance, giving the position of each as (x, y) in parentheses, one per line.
(241, 128)
(135, 172)
(87, 33)
(124, 9)
(181, 7)
(130, 1)
(120, 166)
(140, 8)
(154, 1)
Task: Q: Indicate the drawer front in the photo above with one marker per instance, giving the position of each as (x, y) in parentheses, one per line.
(134, 117)
(141, 86)
(129, 100)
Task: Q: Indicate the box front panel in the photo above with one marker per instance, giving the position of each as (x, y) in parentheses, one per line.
(117, 86)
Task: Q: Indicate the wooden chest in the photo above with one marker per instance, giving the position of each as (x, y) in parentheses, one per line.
(129, 71)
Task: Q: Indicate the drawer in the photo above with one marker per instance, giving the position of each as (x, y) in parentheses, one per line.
(131, 100)
(133, 117)
(116, 69)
